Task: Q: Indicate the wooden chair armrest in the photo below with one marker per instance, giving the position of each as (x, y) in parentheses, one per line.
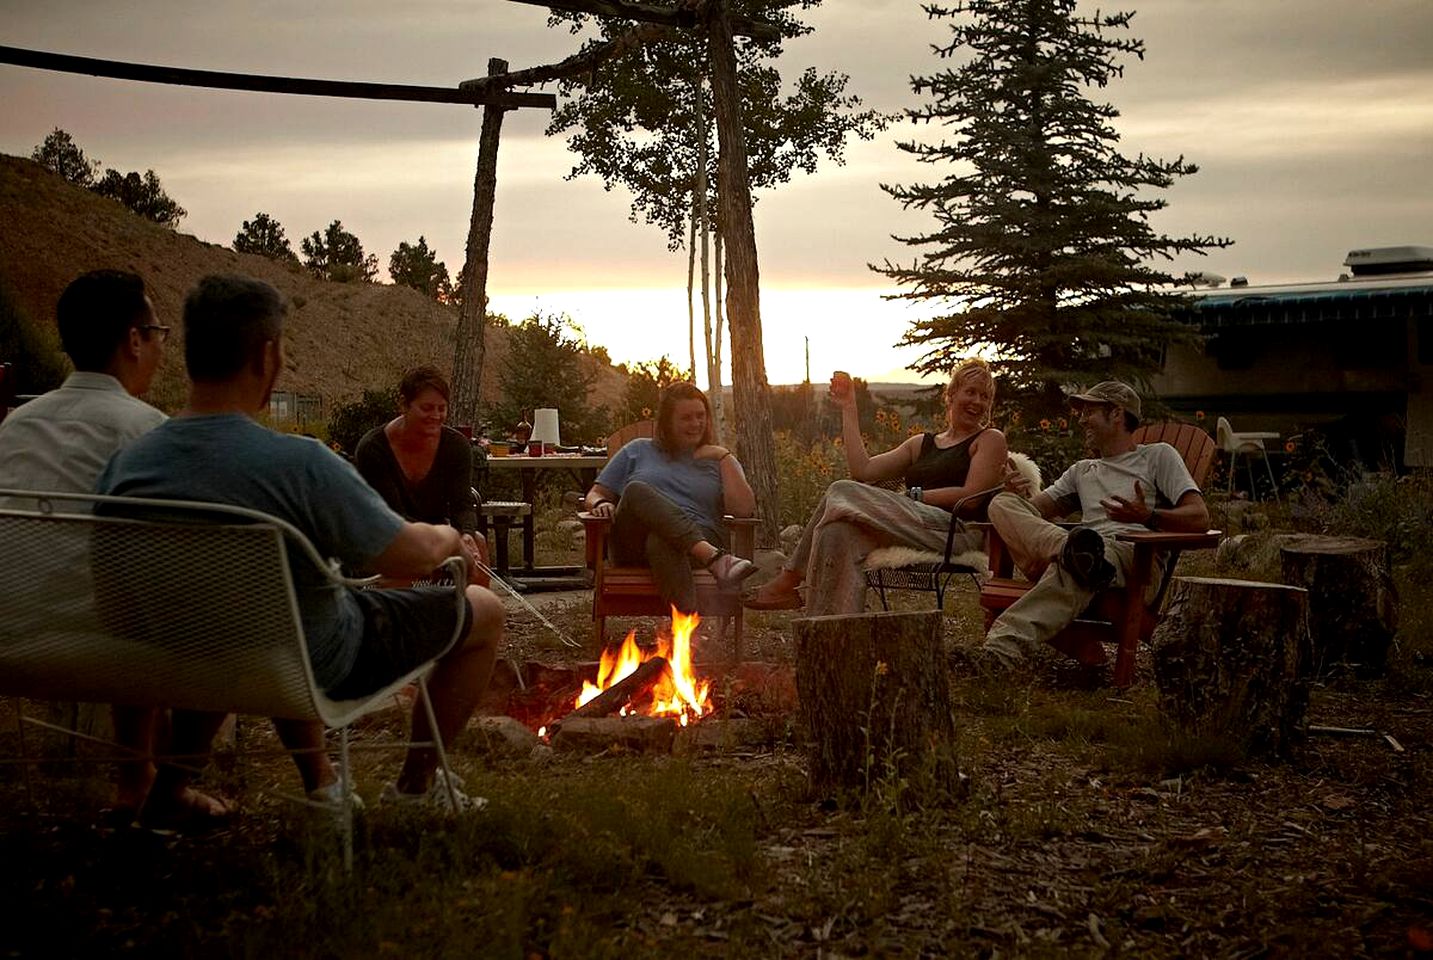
(592, 519)
(731, 521)
(1162, 540)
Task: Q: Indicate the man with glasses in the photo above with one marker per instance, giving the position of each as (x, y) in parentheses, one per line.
(1127, 487)
(60, 441)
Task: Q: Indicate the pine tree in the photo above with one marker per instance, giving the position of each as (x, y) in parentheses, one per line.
(417, 265)
(265, 236)
(1043, 246)
(60, 153)
(337, 255)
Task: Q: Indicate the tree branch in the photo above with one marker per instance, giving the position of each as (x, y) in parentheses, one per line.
(686, 14)
(585, 61)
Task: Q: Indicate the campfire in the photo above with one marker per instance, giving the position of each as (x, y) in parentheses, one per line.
(661, 683)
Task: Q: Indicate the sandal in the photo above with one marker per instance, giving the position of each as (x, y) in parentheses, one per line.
(763, 599)
(729, 569)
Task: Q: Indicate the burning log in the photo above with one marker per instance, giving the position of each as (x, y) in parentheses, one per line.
(624, 691)
(876, 698)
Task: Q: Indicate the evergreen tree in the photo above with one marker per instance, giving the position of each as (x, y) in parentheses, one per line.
(548, 366)
(645, 383)
(61, 154)
(265, 236)
(416, 266)
(143, 195)
(337, 255)
(1043, 246)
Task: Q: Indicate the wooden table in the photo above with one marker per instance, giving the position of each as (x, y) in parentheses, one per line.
(584, 470)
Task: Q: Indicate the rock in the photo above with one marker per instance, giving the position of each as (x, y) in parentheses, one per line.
(574, 531)
(790, 536)
(633, 734)
(501, 736)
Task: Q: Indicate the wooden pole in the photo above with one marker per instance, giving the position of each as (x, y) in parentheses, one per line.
(471, 336)
(751, 394)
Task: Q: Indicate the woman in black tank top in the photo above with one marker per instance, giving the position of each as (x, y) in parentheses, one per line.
(855, 516)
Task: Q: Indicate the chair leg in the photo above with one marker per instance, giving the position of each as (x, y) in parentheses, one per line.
(437, 741)
(1268, 468)
(738, 639)
(501, 525)
(345, 823)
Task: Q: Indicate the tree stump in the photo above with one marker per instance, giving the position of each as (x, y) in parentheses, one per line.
(876, 699)
(1353, 606)
(1228, 660)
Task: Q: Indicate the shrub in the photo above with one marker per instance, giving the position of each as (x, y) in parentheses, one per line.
(350, 421)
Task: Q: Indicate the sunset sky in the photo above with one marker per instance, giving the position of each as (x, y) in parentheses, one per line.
(1312, 122)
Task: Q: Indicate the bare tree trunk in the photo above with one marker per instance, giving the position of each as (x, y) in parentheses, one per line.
(718, 301)
(691, 283)
(471, 335)
(713, 357)
(750, 393)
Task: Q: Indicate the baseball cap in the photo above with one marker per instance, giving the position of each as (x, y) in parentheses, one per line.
(1110, 391)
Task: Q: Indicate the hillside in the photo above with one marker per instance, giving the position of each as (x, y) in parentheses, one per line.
(341, 338)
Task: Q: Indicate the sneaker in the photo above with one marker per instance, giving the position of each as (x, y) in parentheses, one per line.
(333, 795)
(730, 570)
(1084, 558)
(438, 797)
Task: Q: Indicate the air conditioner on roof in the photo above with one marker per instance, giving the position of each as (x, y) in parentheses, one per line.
(1382, 260)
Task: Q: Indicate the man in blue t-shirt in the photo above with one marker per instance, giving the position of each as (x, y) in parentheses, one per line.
(359, 640)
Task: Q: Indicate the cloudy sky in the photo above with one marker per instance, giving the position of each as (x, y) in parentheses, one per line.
(1312, 121)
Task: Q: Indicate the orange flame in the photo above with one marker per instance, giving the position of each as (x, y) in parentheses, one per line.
(678, 693)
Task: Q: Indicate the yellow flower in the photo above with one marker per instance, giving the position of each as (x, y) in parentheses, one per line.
(1290, 446)
(1064, 424)
(646, 413)
(881, 668)
(1044, 424)
(1199, 414)
(880, 416)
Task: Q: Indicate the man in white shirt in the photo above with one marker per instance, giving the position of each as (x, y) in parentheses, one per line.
(1127, 487)
(61, 441)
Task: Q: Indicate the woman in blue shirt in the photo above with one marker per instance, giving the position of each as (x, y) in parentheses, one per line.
(666, 497)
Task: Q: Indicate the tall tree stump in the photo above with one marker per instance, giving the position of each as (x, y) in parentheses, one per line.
(876, 698)
(1228, 660)
(1353, 606)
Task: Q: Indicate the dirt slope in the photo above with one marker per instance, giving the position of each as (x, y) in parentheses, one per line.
(341, 338)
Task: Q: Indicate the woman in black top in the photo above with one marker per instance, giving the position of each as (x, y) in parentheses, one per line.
(854, 517)
(421, 468)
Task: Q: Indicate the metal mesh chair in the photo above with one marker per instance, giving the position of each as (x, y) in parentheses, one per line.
(173, 604)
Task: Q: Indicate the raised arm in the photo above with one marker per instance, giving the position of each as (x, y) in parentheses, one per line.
(868, 469)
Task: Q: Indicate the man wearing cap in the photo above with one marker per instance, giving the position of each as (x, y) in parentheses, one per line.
(1127, 487)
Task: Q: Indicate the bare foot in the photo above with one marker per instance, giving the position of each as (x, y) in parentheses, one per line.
(189, 812)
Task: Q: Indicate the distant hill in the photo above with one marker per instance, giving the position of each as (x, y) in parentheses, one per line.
(341, 337)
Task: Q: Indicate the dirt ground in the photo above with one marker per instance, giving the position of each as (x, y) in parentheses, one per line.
(1080, 831)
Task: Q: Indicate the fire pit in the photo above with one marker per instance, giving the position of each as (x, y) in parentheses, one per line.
(656, 684)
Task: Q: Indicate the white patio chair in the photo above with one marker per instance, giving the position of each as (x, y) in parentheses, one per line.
(191, 607)
(1247, 445)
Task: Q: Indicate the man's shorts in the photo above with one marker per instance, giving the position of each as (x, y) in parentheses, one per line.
(402, 629)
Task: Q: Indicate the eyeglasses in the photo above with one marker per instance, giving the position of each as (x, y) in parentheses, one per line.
(162, 328)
